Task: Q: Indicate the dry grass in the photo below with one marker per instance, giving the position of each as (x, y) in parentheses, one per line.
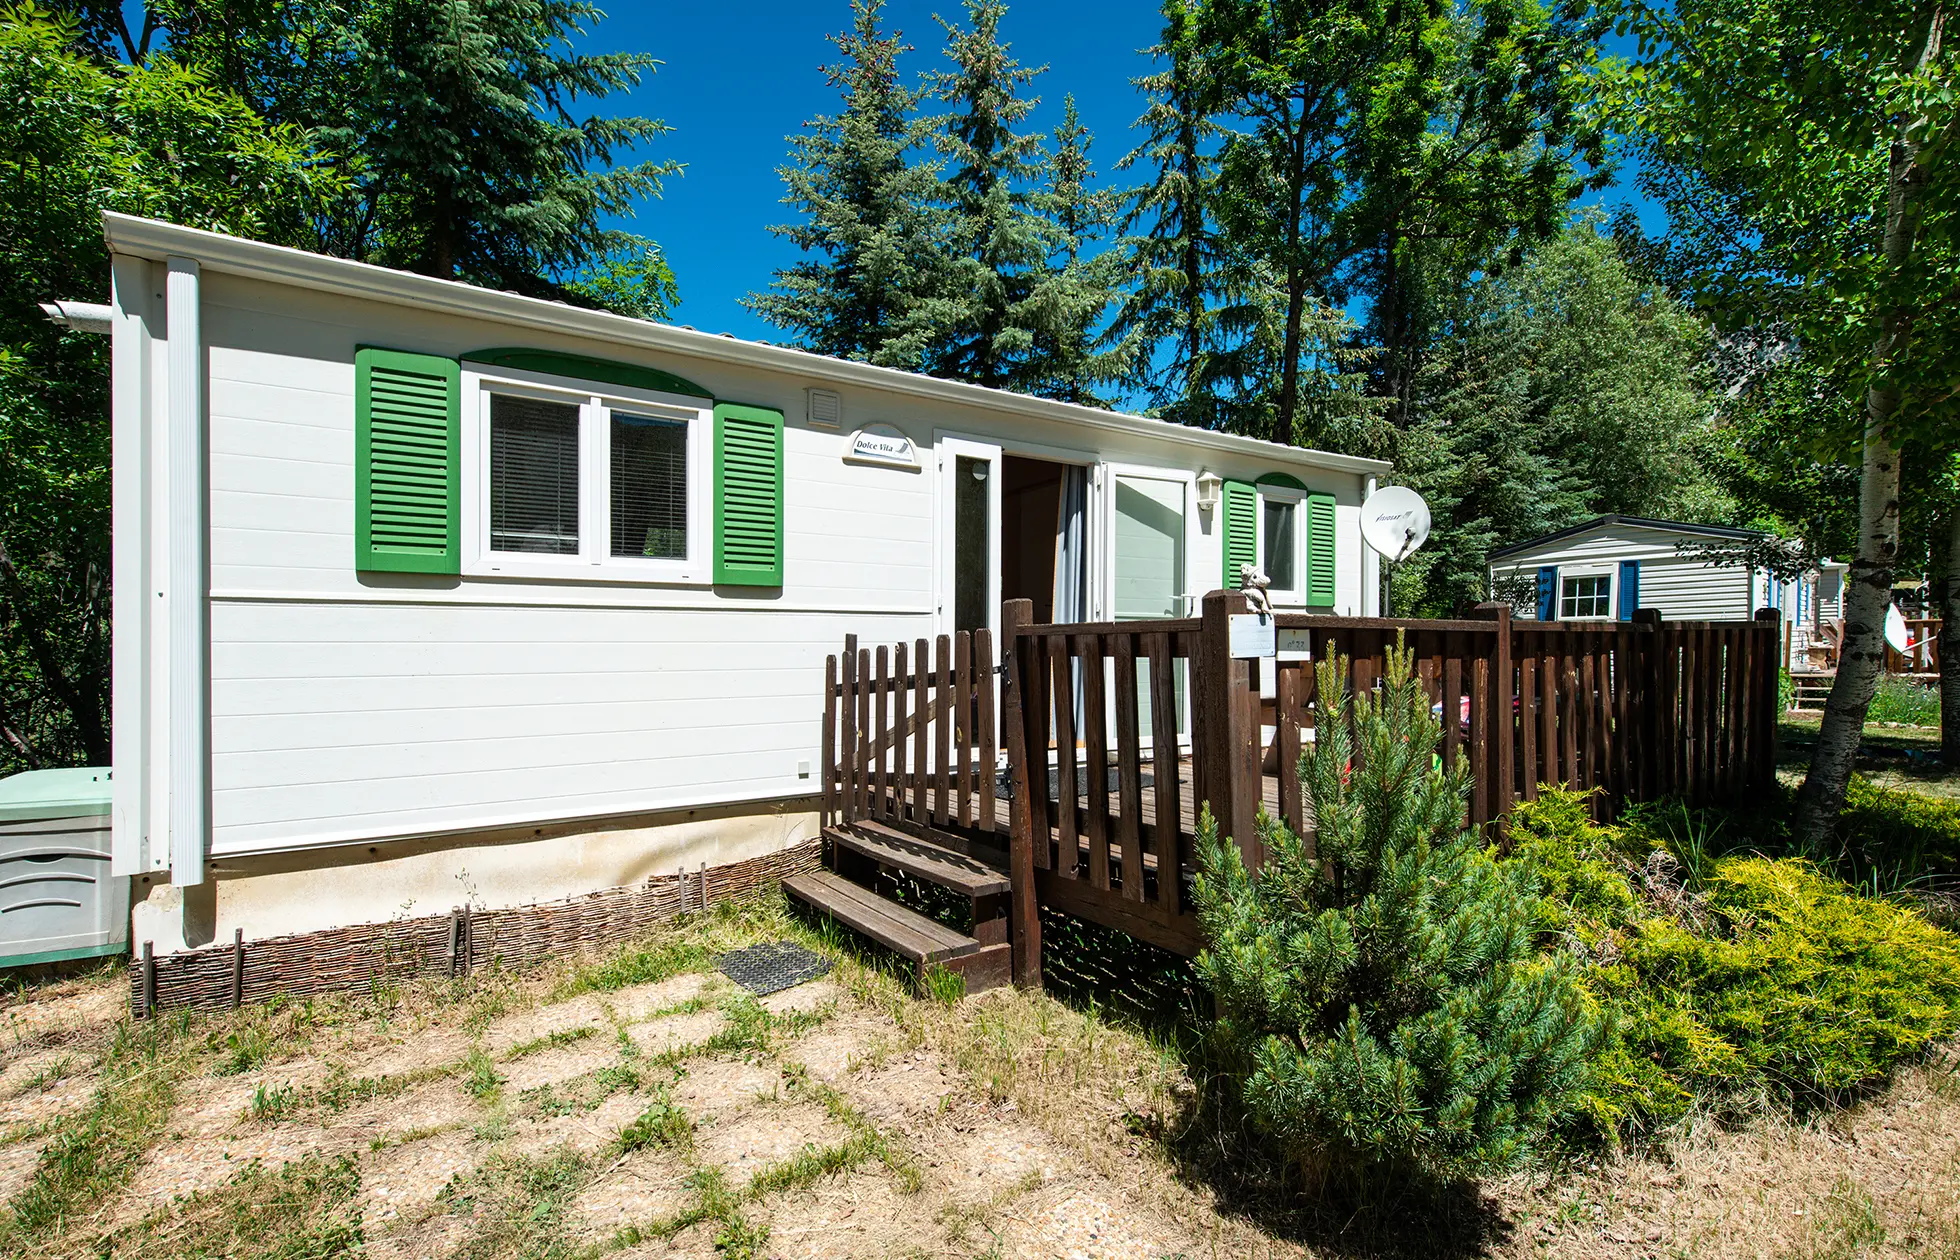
(636, 1104)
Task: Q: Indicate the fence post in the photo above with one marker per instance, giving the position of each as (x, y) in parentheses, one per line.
(1657, 701)
(1501, 757)
(1227, 724)
(1024, 764)
(1769, 684)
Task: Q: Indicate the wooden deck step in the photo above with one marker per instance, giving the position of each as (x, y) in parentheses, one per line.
(922, 859)
(900, 930)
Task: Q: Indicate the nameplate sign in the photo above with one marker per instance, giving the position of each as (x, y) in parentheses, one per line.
(1251, 634)
(1296, 645)
(882, 445)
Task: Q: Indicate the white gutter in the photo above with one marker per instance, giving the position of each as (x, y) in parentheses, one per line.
(90, 317)
(184, 417)
(231, 255)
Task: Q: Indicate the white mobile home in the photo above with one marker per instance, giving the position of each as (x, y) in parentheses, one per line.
(426, 593)
(1610, 566)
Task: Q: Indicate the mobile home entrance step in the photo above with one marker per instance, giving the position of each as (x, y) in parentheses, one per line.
(859, 851)
(924, 859)
(911, 936)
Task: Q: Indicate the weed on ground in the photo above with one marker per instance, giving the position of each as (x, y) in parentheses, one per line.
(632, 1103)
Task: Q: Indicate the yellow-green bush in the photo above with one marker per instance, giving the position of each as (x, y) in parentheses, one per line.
(1767, 978)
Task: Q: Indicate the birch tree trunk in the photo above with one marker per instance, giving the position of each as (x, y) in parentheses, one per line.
(1869, 582)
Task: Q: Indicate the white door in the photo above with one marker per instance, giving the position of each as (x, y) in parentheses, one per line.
(1148, 564)
(969, 537)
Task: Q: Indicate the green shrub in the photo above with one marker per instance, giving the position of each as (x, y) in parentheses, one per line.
(1382, 1004)
(1902, 700)
(1898, 833)
(1767, 977)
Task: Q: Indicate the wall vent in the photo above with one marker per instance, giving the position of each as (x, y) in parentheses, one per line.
(826, 408)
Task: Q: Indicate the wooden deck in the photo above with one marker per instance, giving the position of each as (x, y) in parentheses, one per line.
(1111, 730)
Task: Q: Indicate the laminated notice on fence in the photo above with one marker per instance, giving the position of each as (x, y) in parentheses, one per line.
(1252, 634)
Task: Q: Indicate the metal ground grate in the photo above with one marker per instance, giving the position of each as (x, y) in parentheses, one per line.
(772, 966)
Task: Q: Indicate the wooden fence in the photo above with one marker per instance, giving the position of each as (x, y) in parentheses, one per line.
(910, 740)
(1117, 732)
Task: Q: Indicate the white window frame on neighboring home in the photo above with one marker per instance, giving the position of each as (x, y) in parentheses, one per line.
(1604, 593)
(1294, 596)
(594, 561)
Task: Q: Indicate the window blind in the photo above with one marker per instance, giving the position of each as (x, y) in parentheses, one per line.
(533, 476)
(649, 487)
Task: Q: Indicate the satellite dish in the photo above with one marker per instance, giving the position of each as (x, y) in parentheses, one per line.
(1395, 521)
(1895, 630)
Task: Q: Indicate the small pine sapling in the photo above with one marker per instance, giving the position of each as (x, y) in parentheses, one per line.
(1379, 995)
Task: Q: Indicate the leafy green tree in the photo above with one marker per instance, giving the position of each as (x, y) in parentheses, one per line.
(1000, 243)
(81, 136)
(1358, 131)
(1564, 387)
(1381, 992)
(869, 288)
(1804, 152)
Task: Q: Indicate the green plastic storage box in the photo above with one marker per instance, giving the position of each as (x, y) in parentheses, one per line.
(57, 898)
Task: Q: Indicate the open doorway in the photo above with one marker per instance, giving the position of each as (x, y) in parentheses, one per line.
(1044, 537)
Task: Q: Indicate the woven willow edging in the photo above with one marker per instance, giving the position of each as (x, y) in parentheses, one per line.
(456, 943)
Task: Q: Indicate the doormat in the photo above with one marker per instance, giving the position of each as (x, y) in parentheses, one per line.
(772, 966)
(1004, 782)
(1145, 778)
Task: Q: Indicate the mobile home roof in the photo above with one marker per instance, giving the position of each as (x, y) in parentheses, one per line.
(1638, 522)
(153, 239)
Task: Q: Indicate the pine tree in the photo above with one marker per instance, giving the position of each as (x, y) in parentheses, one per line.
(1172, 251)
(869, 291)
(1071, 357)
(1000, 242)
(469, 161)
(1382, 994)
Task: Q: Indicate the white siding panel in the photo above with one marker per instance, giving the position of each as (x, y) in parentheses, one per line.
(1687, 590)
(349, 721)
(349, 706)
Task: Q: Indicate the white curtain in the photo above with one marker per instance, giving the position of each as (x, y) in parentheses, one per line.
(1072, 546)
(1072, 564)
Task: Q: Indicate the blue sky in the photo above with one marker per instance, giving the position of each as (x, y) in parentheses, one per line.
(742, 75)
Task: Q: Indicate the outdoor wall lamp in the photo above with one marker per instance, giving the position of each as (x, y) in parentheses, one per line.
(1209, 486)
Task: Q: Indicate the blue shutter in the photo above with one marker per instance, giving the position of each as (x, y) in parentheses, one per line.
(1548, 593)
(1629, 588)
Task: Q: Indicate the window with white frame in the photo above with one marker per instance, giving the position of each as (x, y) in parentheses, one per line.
(1586, 595)
(1280, 521)
(577, 483)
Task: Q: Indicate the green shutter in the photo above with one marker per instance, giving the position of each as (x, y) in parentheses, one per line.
(1240, 505)
(1320, 550)
(748, 496)
(407, 456)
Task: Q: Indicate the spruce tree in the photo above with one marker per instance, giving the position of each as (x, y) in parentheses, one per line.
(1172, 243)
(449, 126)
(1381, 994)
(1072, 359)
(868, 289)
(469, 161)
(1000, 244)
